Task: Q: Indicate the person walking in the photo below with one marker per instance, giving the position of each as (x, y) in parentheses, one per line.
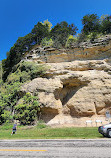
(14, 129)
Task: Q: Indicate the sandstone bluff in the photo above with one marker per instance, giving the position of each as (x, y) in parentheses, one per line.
(77, 84)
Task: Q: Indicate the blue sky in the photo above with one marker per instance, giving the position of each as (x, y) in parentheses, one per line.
(18, 17)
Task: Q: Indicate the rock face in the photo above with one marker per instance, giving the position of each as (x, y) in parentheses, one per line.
(77, 85)
(95, 50)
(73, 92)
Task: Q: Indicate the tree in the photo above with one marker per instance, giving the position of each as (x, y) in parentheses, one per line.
(8, 98)
(10, 90)
(39, 32)
(22, 45)
(106, 24)
(47, 24)
(61, 31)
(11, 95)
(28, 111)
(16, 53)
(71, 39)
(91, 23)
(103, 17)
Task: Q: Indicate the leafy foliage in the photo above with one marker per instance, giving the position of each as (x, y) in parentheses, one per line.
(8, 98)
(6, 116)
(39, 31)
(22, 45)
(47, 23)
(10, 92)
(90, 23)
(31, 70)
(106, 25)
(71, 39)
(47, 42)
(61, 31)
(27, 112)
(94, 27)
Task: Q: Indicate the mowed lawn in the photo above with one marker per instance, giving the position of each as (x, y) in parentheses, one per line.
(43, 132)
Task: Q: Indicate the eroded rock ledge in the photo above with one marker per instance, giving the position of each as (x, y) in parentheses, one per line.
(95, 50)
(72, 92)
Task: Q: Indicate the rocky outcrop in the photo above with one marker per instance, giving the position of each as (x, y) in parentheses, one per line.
(96, 42)
(77, 84)
(97, 49)
(72, 92)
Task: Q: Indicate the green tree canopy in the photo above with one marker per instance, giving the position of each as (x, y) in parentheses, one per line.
(47, 23)
(61, 31)
(106, 24)
(28, 111)
(22, 45)
(39, 31)
(90, 23)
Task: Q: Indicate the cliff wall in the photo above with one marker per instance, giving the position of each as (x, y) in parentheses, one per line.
(72, 92)
(77, 84)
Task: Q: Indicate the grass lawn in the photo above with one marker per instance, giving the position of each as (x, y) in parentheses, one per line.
(43, 132)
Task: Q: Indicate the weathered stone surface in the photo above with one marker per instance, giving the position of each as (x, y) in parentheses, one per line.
(98, 49)
(42, 85)
(96, 42)
(77, 85)
(73, 91)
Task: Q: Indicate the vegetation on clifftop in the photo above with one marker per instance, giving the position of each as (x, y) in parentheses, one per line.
(58, 37)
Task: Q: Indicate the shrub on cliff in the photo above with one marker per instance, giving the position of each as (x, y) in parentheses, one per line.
(47, 42)
(32, 69)
(70, 41)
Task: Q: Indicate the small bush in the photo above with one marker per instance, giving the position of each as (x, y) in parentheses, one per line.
(91, 36)
(47, 42)
(31, 70)
(57, 44)
(71, 39)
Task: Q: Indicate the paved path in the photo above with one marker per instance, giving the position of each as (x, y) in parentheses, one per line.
(55, 148)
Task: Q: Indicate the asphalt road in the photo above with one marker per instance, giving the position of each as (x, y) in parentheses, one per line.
(100, 148)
